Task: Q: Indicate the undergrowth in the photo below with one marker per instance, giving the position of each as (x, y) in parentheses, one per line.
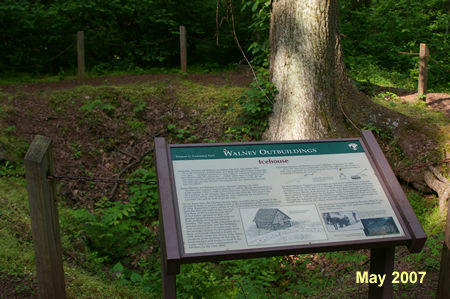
(17, 256)
(111, 249)
(256, 106)
(435, 123)
(364, 71)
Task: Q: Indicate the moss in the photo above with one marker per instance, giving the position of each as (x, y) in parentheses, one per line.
(16, 250)
(422, 115)
(422, 120)
(81, 284)
(427, 211)
(220, 103)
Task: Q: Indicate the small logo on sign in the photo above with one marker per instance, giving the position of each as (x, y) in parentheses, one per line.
(353, 146)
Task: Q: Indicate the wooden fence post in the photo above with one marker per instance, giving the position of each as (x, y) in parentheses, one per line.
(444, 275)
(44, 219)
(80, 55)
(423, 69)
(183, 51)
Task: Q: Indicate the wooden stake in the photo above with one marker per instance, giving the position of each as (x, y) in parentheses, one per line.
(44, 219)
(80, 55)
(183, 51)
(423, 69)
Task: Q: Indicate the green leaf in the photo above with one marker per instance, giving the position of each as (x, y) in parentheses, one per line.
(135, 277)
(118, 268)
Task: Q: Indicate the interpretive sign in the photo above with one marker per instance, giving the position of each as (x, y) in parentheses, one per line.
(240, 200)
(234, 197)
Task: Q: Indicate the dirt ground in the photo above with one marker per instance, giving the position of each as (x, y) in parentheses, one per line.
(436, 101)
(33, 115)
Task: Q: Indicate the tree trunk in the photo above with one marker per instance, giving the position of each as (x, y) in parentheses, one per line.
(307, 68)
(316, 98)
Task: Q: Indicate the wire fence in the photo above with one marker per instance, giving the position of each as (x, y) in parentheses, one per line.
(83, 179)
(128, 43)
(183, 59)
(51, 59)
(101, 180)
(6, 175)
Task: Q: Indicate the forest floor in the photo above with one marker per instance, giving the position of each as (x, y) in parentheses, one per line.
(241, 79)
(77, 143)
(435, 101)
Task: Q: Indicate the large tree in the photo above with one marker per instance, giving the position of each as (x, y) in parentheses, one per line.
(307, 68)
(316, 98)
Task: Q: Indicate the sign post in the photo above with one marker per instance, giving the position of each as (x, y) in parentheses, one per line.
(245, 200)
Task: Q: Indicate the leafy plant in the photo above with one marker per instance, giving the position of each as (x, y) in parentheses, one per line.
(97, 104)
(200, 280)
(182, 134)
(253, 278)
(380, 132)
(113, 229)
(260, 12)
(6, 167)
(61, 73)
(256, 107)
(427, 211)
(389, 96)
(136, 125)
(77, 151)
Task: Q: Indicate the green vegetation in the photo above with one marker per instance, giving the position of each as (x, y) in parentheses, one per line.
(142, 37)
(132, 36)
(374, 33)
(17, 257)
(110, 237)
(111, 247)
(256, 106)
(437, 124)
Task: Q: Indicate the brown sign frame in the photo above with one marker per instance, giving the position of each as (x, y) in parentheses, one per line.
(173, 254)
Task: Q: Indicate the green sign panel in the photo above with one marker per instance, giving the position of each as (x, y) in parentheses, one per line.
(265, 150)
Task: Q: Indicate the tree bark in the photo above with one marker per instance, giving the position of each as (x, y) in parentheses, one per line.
(440, 184)
(307, 68)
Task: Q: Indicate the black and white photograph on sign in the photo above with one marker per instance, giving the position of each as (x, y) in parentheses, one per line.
(379, 226)
(281, 225)
(342, 221)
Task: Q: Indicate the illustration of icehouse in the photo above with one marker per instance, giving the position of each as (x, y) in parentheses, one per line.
(272, 219)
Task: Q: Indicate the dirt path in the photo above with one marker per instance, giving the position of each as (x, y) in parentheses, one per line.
(435, 101)
(230, 78)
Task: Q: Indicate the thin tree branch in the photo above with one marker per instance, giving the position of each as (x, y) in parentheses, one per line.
(230, 5)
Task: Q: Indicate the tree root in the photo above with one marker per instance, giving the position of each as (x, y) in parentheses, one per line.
(413, 140)
(440, 184)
